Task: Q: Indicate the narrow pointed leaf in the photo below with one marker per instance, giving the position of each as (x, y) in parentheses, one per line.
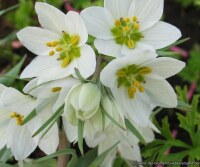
(8, 9)
(102, 156)
(80, 135)
(8, 81)
(29, 117)
(131, 127)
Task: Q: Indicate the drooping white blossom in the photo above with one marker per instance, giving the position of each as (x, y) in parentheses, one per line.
(138, 83)
(60, 45)
(123, 26)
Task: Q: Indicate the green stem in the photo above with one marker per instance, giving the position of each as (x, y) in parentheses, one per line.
(98, 69)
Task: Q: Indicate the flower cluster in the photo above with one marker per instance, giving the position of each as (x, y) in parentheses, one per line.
(98, 102)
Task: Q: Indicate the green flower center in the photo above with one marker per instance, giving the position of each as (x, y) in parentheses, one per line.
(132, 77)
(67, 47)
(126, 31)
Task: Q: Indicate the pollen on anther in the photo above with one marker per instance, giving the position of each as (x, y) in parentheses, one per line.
(141, 89)
(49, 44)
(56, 89)
(51, 53)
(126, 29)
(136, 83)
(136, 26)
(65, 62)
(117, 23)
(58, 49)
(131, 44)
(135, 18)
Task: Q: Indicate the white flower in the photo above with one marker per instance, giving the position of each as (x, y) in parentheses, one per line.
(138, 83)
(82, 102)
(60, 45)
(54, 91)
(93, 114)
(13, 109)
(123, 26)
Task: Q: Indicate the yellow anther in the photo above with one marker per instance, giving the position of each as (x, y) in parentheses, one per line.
(127, 20)
(19, 121)
(121, 73)
(13, 114)
(75, 39)
(136, 26)
(135, 18)
(51, 53)
(141, 89)
(49, 44)
(56, 89)
(131, 92)
(145, 70)
(126, 29)
(136, 83)
(65, 62)
(58, 49)
(54, 43)
(117, 23)
(131, 44)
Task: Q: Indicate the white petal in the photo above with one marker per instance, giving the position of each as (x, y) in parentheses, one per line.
(161, 35)
(139, 47)
(108, 47)
(89, 92)
(160, 92)
(2, 87)
(118, 8)
(99, 22)
(50, 17)
(147, 11)
(20, 141)
(4, 121)
(35, 39)
(86, 63)
(13, 100)
(108, 74)
(165, 67)
(70, 130)
(129, 153)
(138, 109)
(49, 143)
(75, 25)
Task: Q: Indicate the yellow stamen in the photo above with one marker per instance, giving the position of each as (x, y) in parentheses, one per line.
(117, 23)
(75, 39)
(13, 114)
(126, 29)
(136, 83)
(56, 89)
(136, 26)
(141, 89)
(131, 92)
(65, 62)
(51, 53)
(127, 20)
(145, 70)
(131, 44)
(54, 43)
(121, 73)
(58, 49)
(49, 44)
(135, 18)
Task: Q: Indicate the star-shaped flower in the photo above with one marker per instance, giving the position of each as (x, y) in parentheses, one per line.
(138, 83)
(60, 46)
(123, 26)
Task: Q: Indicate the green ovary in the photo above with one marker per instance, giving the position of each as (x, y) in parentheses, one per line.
(132, 78)
(126, 31)
(67, 47)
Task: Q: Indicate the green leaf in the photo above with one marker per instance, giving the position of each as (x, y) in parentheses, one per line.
(56, 154)
(165, 129)
(8, 81)
(110, 117)
(78, 74)
(168, 53)
(175, 157)
(184, 106)
(8, 38)
(87, 159)
(5, 155)
(52, 118)
(131, 127)
(8, 9)
(195, 153)
(80, 135)
(46, 163)
(119, 162)
(29, 117)
(182, 94)
(175, 44)
(102, 156)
